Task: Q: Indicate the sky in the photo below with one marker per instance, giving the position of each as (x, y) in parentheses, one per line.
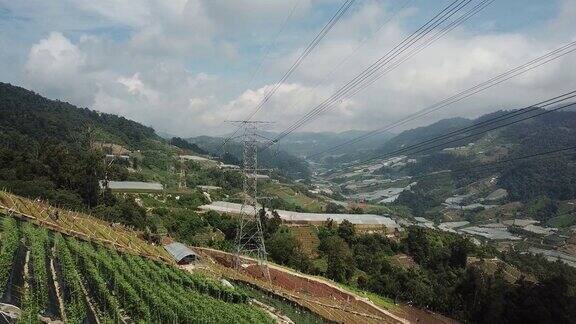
(185, 66)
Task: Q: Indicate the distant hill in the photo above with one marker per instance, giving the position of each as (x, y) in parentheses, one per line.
(287, 164)
(307, 143)
(419, 134)
(556, 129)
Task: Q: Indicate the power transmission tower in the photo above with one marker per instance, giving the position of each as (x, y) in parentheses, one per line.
(182, 175)
(249, 234)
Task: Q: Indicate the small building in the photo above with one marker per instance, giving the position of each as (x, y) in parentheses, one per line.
(181, 253)
(116, 156)
(229, 166)
(208, 188)
(134, 186)
(194, 158)
(258, 176)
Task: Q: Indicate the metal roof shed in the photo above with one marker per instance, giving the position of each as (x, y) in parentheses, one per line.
(181, 253)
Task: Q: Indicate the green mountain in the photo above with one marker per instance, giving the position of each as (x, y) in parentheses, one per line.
(29, 119)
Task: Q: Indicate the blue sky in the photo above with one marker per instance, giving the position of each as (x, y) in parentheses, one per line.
(183, 66)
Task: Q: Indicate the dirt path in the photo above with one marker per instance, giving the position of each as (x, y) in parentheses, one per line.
(57, 285)
(90, 304)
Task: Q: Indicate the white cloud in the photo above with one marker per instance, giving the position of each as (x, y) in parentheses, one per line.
(53, 57)
(137, 87)
(181, 66)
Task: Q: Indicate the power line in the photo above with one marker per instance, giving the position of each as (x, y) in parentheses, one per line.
(521, 69)
(363, 42)
(360, 81)
(341, 11)
(408, 41)
(340, 94)
(376, 77)
(491, 121)
(305, 53)
(271, 45)
(549, 102)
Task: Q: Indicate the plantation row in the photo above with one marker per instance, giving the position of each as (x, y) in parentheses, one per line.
(63, 278)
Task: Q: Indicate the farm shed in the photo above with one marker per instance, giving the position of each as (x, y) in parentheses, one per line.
(136, 186)
(181, 253)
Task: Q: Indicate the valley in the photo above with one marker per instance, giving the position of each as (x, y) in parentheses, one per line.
(375, 239)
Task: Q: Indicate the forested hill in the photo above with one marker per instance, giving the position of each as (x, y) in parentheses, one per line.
(46, 150)
(28, 118)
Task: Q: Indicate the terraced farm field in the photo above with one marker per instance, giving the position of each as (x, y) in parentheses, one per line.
(320, 296)
(80, 225)
(49, 276)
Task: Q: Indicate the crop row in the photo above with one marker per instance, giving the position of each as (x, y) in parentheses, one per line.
(116, 287)
(71, 283)
(9, 244)
(152, 292)
(35, 298)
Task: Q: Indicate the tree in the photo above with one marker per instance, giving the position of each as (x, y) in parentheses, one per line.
(333, 208)
(285, 249)
(339, 256)
(281, 246)
(273, 223)
(347, 231)
(328, 229)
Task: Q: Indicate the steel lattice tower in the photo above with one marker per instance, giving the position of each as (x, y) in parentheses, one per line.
(249, 234)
